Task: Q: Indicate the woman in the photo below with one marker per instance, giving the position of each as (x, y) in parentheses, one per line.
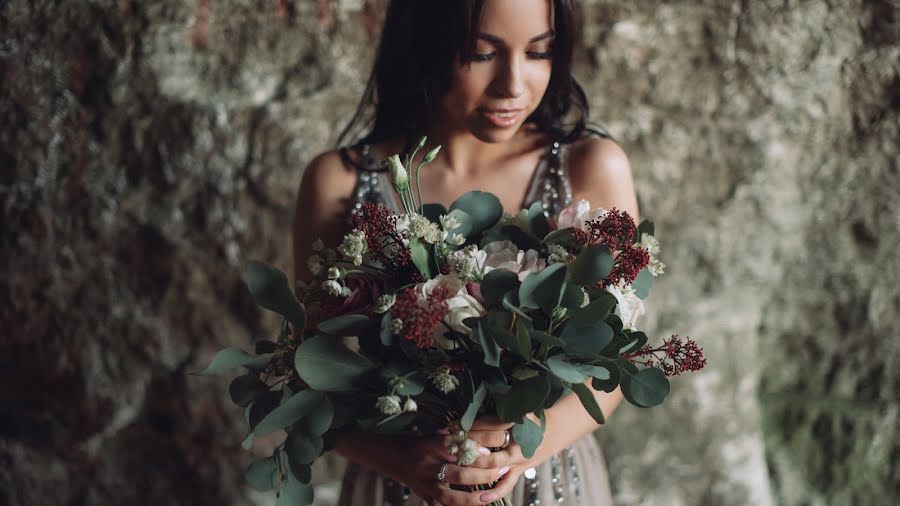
(490, 81)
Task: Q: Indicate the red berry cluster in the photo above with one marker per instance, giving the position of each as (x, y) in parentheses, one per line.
(420, 321)
(677, 356)
(384, 241)
(616, 231)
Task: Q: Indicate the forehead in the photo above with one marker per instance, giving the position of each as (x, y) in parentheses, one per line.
(516, 21)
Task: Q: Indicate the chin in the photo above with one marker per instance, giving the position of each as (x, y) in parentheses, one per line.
(494, 135)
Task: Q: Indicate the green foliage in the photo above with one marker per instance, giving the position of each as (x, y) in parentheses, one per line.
(594, 263)
(325, 364)
(346, 325)
(529, 436)
(229, 358)
(646, 227)
(596, 311)
(488, 344)
(498, 283)
(472, 410)
(586, 340)
(244, 389)
(536, 221)
(294, 493)
(419, 252)
(302, 448)
(303, 403)
(524, 397)
(483, 208)
(647, 388)
(589, 402)
(643, 283)
(565, 370)
(262, 474)
(271, 290)
(544, 289)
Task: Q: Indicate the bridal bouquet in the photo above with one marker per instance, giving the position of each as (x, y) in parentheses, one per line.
(420, 322)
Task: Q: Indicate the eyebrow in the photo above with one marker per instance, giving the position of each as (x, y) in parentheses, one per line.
(497, 40)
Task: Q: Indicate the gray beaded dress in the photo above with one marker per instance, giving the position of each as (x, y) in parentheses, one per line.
(577, 475)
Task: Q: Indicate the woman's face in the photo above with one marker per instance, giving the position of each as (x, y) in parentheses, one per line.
(506, 80)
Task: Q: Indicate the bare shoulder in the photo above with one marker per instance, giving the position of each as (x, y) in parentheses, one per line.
(323, 204)
(601, 173)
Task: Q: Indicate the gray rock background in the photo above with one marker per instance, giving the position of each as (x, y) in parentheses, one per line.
(149, 149)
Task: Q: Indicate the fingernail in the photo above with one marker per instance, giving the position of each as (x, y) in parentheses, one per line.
(443, 432)
(504, 470)
(484, 451)
(488, 497)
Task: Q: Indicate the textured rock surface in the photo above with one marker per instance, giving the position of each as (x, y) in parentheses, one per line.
(149, 149)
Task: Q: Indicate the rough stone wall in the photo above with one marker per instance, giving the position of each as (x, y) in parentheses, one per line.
(149, 149)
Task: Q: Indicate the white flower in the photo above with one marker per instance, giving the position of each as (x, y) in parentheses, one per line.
(314, 264)
(334, 273)
(462, 262)
(318, 245)
(506, 255)
(577, 213)
(354, 246)
(556, 254)
(449, 222)
(468, 452)
(396, 325)
(388, 405)
(456, 239)
(422, 228)
(443, 380)
(629, 307)
(649, 243)
(332, 287)
(384, 303)
(461, 304)
(399, 176)
(410, 405)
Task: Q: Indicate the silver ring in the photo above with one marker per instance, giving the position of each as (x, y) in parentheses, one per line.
(506, 439)
(442, 474)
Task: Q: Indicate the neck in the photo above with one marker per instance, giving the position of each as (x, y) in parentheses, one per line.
(464, 154)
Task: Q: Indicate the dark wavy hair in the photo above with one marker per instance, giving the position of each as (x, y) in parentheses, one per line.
(420, 43)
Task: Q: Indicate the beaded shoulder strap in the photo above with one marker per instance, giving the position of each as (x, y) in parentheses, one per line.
(372, 180)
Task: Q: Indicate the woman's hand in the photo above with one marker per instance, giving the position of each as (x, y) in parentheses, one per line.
(492, 433)
(416, 462)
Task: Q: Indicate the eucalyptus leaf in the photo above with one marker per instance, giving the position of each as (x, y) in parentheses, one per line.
(229, 358)
(318, 418)
(648, 388)
(472, 410)
(386, 332)
(643, 283)
(346, 325)
(546, 339)
(529, 436)
(586, 340)
(489, 346)
(563, 237)
(301, 404)
(599, 372)
(394, 424)
(271, 290)
(523, 397)
(573, 297)
(594, 263)
(564, 370)
(646, 227)
(433, 212)
(302, 448)
(635, 342)
(596, 311)
(511, 303)
(262, 473)
(262, 406)
(484, 208)
(589, 402)
(535, 217)
(244, 389)
(523, 338)
(543, 289)
(326, 364)
(496, 284)
(294, 493)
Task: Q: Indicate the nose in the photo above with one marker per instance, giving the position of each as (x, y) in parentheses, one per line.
(510, 82)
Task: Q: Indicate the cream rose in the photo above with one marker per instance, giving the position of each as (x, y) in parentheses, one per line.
(506, 255)
(629, 307)
(577, 213)
(460, 303)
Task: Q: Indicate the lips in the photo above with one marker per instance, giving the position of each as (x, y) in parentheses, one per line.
(502, 118)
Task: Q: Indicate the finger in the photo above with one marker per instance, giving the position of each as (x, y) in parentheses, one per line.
(463, 475)
(462, 498)
(490, 423)
(510, 456)
(505, 486)
(488, 438)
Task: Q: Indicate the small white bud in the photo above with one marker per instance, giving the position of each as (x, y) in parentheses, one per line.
(431, 155)
(399, 176)
(388, 405)
(332, 287)
(396, 325)
(384, 303)
(334, 273)
(410, 405)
